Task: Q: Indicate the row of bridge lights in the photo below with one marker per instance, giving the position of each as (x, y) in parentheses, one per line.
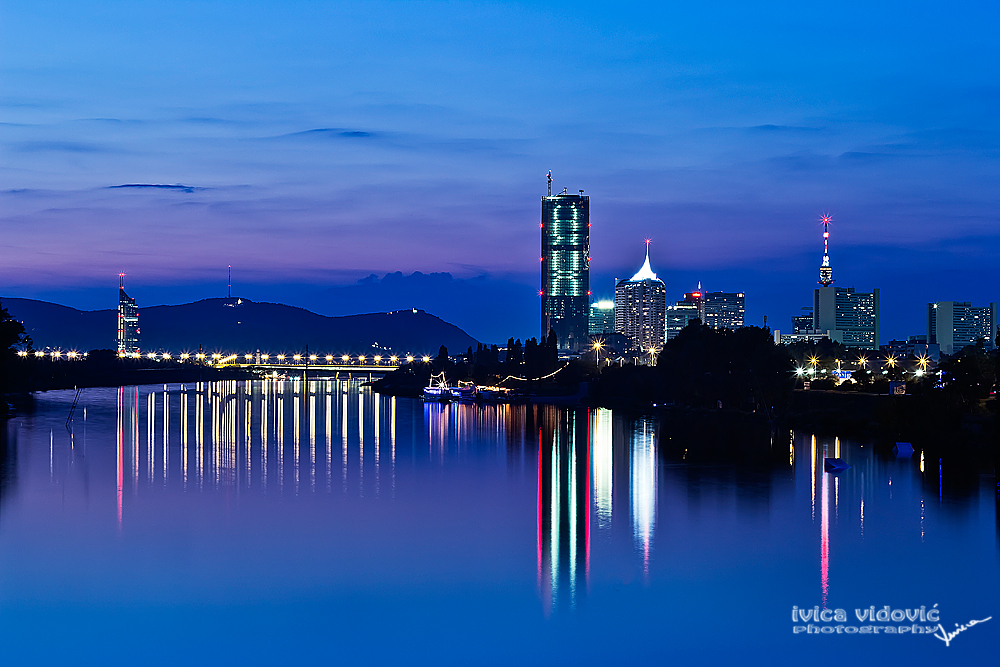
(218, 358)
(54, 355)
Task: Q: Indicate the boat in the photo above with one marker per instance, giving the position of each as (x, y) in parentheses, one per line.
(465, 391)
(437, 389)
(490, 394)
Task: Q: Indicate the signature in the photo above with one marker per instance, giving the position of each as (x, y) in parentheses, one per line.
(946, 636)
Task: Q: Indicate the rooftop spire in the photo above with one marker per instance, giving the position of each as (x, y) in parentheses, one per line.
(825, 270)
(646, 272)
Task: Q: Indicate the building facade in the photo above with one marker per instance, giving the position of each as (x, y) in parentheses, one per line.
(602, 317)
(128, 322)
(679, 316)
(724, 310)
(565, 268)
(847, 316)
(955, 324)
(640, 309)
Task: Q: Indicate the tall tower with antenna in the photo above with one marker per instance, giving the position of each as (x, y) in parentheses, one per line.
(565, 267)
(825, 270)
(128, 320)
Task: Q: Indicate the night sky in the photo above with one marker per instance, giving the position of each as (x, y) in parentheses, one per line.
(322, 142)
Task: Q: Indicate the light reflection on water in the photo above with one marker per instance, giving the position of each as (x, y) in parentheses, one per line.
(588, 516)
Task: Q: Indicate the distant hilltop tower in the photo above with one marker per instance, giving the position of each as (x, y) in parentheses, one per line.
(825, 270)
(565, 260)
(128, 320)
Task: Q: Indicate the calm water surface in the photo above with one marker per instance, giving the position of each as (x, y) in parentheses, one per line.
(281, 522)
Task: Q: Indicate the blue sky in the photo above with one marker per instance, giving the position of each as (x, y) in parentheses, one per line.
(322, 142)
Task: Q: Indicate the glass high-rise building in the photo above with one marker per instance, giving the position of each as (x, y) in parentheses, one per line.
(565, 261)
(602, 317)
(128, 321)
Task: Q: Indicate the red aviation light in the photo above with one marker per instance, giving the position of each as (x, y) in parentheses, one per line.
(588, 292)
(541, 293)
(695, 293)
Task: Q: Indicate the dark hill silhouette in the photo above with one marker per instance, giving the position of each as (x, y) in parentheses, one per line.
(219, 325)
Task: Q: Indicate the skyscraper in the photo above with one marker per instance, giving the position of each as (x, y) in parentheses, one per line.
(955, 324)
(724, 310)
(128, 320)
(565, 261)
(640, 308)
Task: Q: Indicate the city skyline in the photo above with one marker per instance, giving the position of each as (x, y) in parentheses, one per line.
(362, 139)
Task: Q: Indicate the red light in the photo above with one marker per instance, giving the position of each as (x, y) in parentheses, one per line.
(540, 225)
(695, 293)
(541, 259)
(588, 292)
(540, 293)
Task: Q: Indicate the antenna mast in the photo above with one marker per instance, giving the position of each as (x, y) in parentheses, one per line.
(550, 182)
(825, 270)
(229, 287)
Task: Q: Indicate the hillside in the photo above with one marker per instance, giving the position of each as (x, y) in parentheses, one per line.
(239, 325)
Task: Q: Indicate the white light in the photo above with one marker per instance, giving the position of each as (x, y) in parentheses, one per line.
(248, 357)
(425, 359)
(361, 358)
(151, 355)
(281, 357)
(345, 358)
(378, 358)
(409, 357)
(296, 357)
(185, 356)
(166, 355)
(265, 357)
(394, 358)
(312, 357)
(329, 357)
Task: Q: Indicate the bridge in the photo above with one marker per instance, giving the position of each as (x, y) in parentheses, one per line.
(279, 364)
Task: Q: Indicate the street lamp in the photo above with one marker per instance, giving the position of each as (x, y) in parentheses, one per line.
(597, 349)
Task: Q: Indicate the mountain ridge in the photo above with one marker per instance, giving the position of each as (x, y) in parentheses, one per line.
(239, 325)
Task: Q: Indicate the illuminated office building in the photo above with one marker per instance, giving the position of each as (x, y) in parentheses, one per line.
(955, 324)
(565, 260)
(640, 309)
(849, 317)
(724, 310)
(602, 317)
(128, 320)
(679, 316)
